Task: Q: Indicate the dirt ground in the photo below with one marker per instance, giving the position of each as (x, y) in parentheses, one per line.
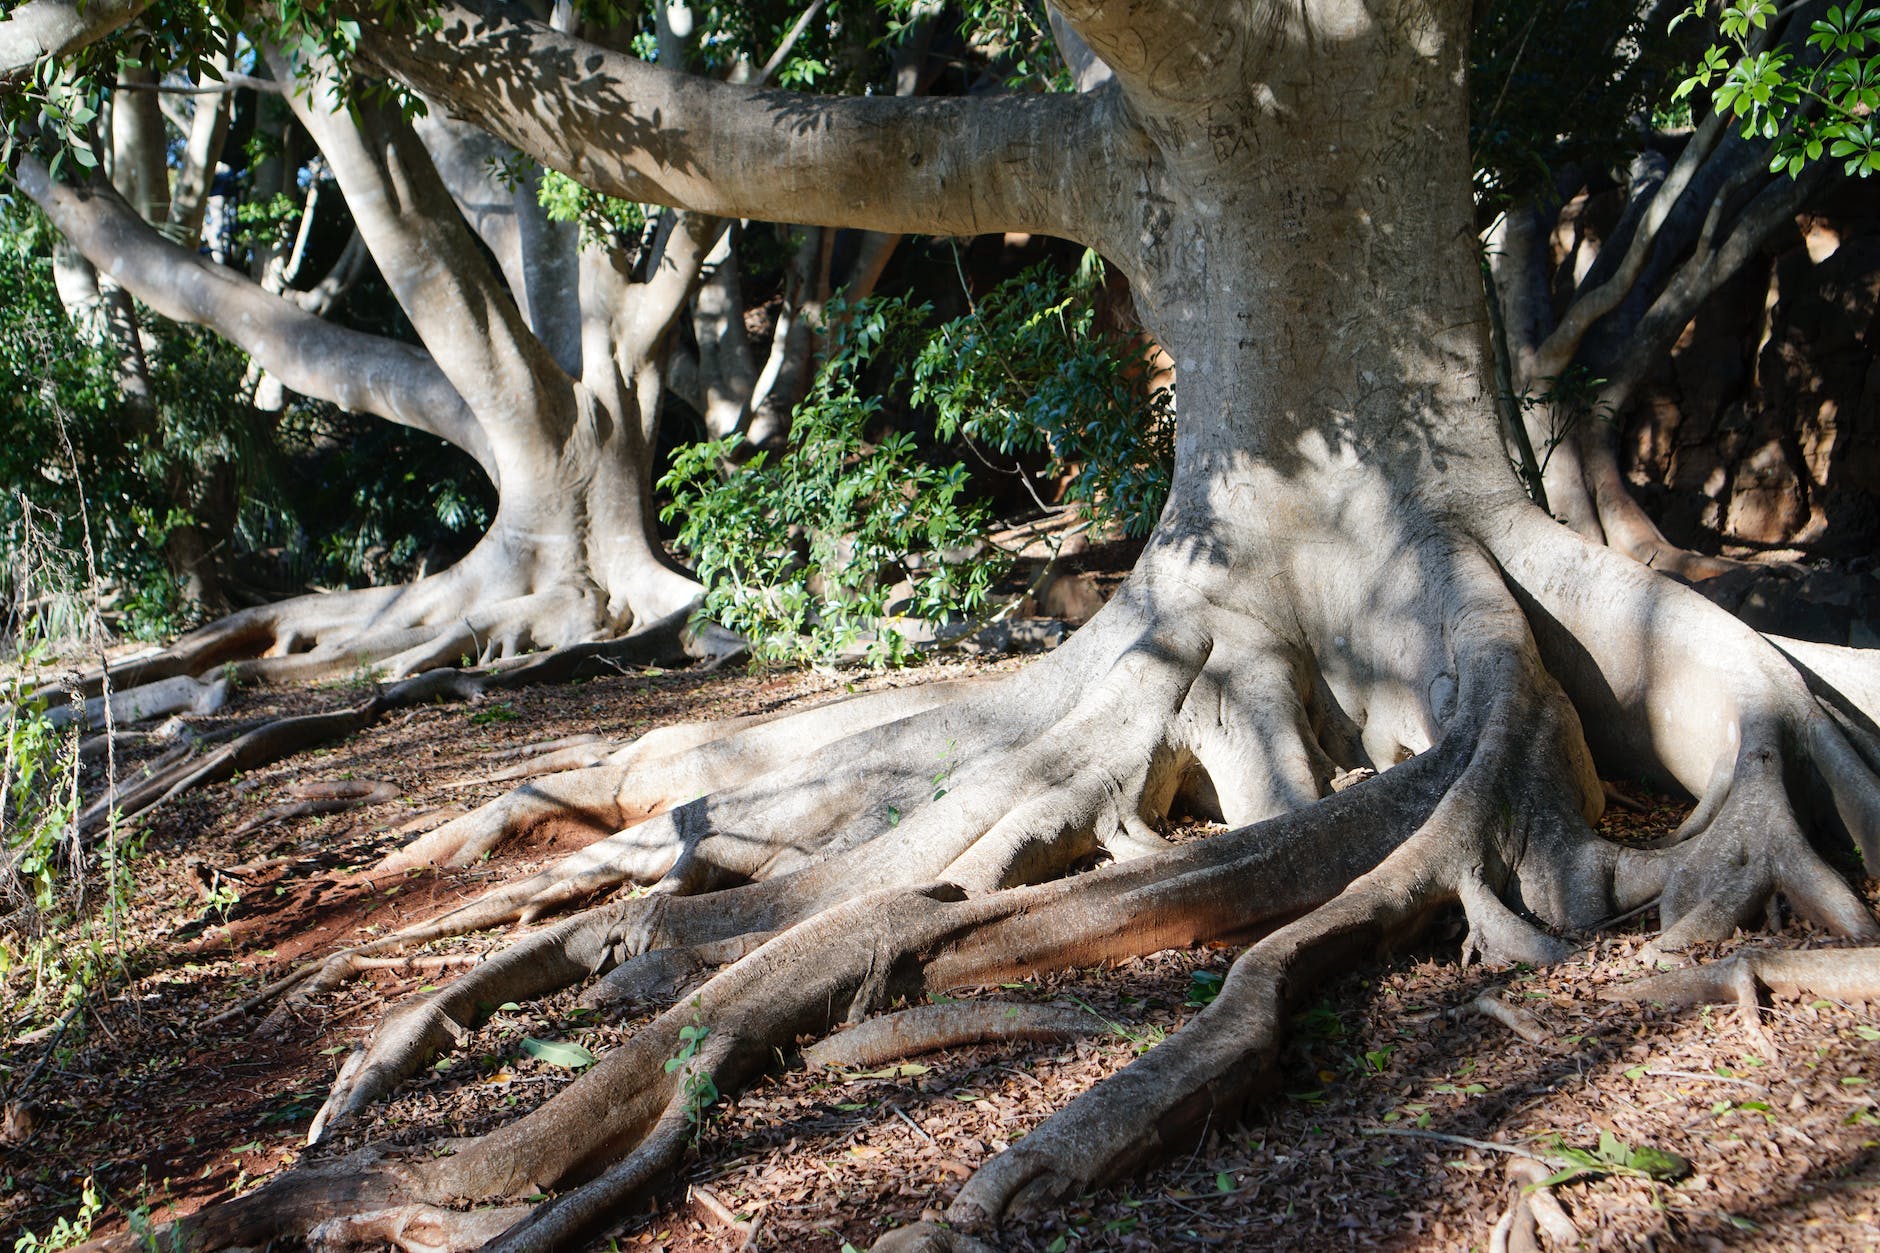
(1361, 1142)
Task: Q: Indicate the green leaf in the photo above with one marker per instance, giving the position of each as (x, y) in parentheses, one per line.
(558, 1053)
(1565, 1175)
(1659, 1164)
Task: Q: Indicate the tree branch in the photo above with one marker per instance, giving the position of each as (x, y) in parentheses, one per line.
(538, 257)
(57, 28)
(1194, 44)
(428, 257)
(202, 148)
(1711, 265)
(639, 132)
(363, 373)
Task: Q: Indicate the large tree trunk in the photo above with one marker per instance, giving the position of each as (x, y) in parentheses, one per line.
(1347, 574)
(572, 554)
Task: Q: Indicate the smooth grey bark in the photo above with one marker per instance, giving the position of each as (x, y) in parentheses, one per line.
(57, 28)
(359, 372)
(202, 150)
(599, 124)
(1347, 575)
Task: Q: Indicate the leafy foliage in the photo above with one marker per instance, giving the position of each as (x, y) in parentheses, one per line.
(55, 941)
(369, 499)
(801, 553)
(1615, 1157)
(1558, 85)
(38, 802)
(66, 1232)
(1817, 102)
(1026, 370)
(63, 431)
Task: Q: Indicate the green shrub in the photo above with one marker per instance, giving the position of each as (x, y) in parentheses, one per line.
(1027, 371)
(800, 553)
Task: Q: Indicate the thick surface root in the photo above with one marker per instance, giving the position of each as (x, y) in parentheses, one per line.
(931, 1028)
(1848, 974)
(891, 848)
(191, 768)
(1843, 973)
(328, 796)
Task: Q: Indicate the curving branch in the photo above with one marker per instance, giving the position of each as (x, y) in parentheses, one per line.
(539, 258)
(1773, 207)
(57, 28)
(360, 372)
(431, 261)
(202, 148)
(633, 130)
(1197, 48)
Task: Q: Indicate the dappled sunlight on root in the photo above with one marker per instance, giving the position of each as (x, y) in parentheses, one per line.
(940, 846)
(399, 673)
(1675, 685)
(984, 813)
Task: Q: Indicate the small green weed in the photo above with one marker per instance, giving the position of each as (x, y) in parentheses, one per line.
(701, 1092)
(66, 1232)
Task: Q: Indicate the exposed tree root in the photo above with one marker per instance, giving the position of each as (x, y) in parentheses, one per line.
(1533, 1211)
(900, 844)
(688, 764)
(272, 741)
(180, 694)
(931, 1028)
(1513, 1017)
(324, 797)
(1849, 974)
(267, 743)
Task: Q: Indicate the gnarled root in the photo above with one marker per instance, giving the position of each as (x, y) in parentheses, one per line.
(271, 741)
(929, 851)
(1849, 974)
(1666, 680)
(1533, 1211)
(489, 610)
(1003, 814)
(327, 796)
(640, 780)
(610, 789)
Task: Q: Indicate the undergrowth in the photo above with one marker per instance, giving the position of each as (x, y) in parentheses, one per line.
(845, 542)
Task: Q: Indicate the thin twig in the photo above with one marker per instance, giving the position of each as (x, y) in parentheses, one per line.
(920, 1131)
(1513, 1017)
(789, 42)
(1698, 1074)
(1487, 1146)
(710, 1203)
(230, 82)
(58, 1030)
